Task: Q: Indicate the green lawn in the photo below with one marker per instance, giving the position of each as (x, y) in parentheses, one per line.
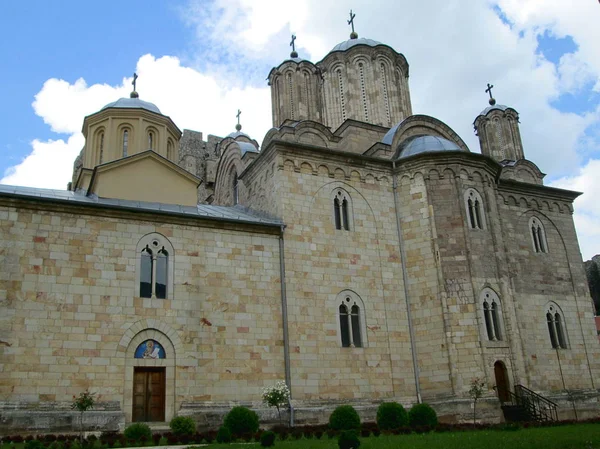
(582, 436)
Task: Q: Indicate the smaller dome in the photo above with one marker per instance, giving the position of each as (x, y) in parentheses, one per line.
(343, 46)
(424, 144)
(236, 134)
(133, 103)
(499, 107)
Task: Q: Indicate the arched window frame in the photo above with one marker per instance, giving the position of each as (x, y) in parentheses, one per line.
(152, 139)
(352, 333)
(538, 235)
(491, 319)
(474, 209)
(125, 133)
(170, 147)
(557, 330)
(156, 244)
(342, 210)
(100, 142)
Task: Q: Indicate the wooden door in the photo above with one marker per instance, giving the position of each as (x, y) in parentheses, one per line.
(148, 394)
(502, 384)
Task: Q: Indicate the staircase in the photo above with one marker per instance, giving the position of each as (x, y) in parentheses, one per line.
(526, 405)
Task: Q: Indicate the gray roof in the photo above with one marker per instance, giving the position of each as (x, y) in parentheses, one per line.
(500, 107)
(343, 46)
(235, 134)
(424, 144)
(389, 136)
(133, 103)
(247, 147)
(202, 211)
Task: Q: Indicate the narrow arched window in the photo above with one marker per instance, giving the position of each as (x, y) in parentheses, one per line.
(341, 210)
(150, 140)
(538, 236)
(236, 193)
(344, 326)
(146, 269)
(170, 150)
(474, 207)
(492, 314)
(160, 284)
(355, 324)
(101, 148)
(556, 327)
(125, 142)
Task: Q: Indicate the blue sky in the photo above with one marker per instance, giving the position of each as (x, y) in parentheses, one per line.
(200, 61)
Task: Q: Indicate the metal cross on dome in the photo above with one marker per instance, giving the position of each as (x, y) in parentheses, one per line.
(351, 21)
(292, 44)
(489, 89)
(135, 77)
(238, 116)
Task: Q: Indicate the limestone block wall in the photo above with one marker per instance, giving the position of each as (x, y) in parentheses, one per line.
(541, 279)
(324, 264)
(70, 319)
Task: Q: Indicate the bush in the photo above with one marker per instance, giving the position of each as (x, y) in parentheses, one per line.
(422, 415)
(34, 444)
(267, 439)
(137, 430)
(224, 435)
(391, 415)
(348, 440)
(344, 418)
(183, 425)
(241, 420)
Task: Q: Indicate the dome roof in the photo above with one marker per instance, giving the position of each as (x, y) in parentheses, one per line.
(343, 46)
(133, 103)
(236, 134)
(499, 107)
(424, 144)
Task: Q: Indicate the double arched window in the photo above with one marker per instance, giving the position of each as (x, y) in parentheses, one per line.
(155, 267)
(492, 314)
(474, 207)
(538, 235)
(342, 210)
(556, 327)
(350, 312)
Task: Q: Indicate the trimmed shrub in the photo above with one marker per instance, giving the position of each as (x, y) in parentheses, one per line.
(344, 417)
(422, 415)
(224, 435)
(391, 415)
(348, 440)
(241, 420)
(183, 425)
(267, 439)
(137, 430)
(34, 444)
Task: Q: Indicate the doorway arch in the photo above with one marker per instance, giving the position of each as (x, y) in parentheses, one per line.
(502, 381)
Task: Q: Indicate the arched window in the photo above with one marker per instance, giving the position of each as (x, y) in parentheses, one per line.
(170, 150)
(150, 140)
(538, 235)
(236, 192)
(556, 327)
(100, 149)
(155, 267)
(125, 142)
(341, 210)
(342, 99)
(363, 90)
(351, 322)
(474, 207)
(492, 314)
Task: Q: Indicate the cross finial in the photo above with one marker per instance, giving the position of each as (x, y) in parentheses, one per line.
(294, 53)
(134, 94)
(238, 126)
(492, 100)
(353, 35)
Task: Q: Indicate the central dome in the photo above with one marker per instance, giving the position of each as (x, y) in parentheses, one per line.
(424, 144)
(343, 46)
(133, 103)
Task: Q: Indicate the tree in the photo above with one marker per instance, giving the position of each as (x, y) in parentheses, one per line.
(476, 391)
(277, 396)
(82, 403)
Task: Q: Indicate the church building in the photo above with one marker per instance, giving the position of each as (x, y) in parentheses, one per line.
(362, 254)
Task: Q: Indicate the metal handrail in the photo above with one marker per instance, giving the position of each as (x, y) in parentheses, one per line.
(537, 407)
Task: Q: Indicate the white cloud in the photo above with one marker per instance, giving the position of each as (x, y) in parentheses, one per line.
(587, 206)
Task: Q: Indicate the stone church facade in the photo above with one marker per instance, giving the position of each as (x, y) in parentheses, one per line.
(362, 253)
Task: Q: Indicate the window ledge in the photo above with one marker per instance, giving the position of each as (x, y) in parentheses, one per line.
(500, 344)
